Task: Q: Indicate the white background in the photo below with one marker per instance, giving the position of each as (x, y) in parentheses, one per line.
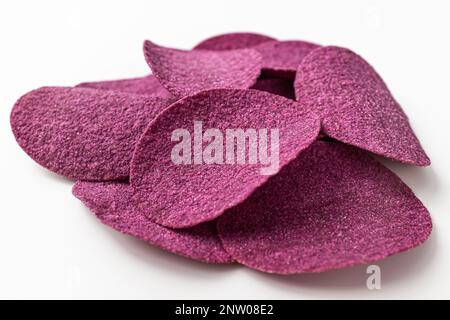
(52, 247)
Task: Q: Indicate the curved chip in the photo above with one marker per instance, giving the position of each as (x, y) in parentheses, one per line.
(82, 133)
(111, 203)
(282, 58)
(279, 86)
(147, 85)
(355, 105)
(185, 73)
(231, 41)
(333, 206)
(194, 160)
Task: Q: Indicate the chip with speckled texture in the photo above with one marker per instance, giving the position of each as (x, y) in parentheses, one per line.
(355, 105)
(110, 202)
(147, 85)
(81, 133)
(184, 195)
(185, 73)
(332, 207)
(231, 41)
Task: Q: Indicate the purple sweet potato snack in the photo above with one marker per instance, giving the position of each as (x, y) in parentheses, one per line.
(147, 85)
(355, 105)
(332, 207)
(111, 203)
(282, 58)
(244, 149)
(231, 41)
(184, 195)
(82, 133)
(184, 73)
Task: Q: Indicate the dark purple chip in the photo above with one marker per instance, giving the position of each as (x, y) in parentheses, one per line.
(282, 58)
(332, 207)
(231, 41)
(355, 105)
(185, 73)
(82, 133)
(111, 203)
(279, 86)
(148, 85)
(201, 183)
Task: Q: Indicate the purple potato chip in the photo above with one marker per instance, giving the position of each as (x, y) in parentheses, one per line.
(332, 207)
(111, 203)
(282, 58)
(355, 105)
(147, 85)
(279, 86)
(205, 183)
(231, 41)
(185, 73)
(82, 133)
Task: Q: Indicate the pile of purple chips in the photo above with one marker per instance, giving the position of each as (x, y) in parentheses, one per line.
(329, 205)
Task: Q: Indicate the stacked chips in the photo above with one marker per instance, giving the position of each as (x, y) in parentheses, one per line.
(327, 205)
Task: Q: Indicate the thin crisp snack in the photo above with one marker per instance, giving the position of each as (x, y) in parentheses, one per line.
(332, 207)
(81, 133)
(231, 41)
(184, 73)
(147, 85)
(355, 105)
(282, 58)
(181, 195)
(111, 203)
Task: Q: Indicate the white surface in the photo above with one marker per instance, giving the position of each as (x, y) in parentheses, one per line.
(51, 247)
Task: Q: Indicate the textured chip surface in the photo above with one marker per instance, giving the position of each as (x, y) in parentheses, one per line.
(333, 206)
(231, 41)
(111, 203)
(283, 57)
(82, 133)
(355, 105)
(183, 195)
(147, 85)
(185, 73)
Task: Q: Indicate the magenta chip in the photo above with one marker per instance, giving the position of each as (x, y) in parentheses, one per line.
(147, 85)
(202, 182)
(231, 41)
(355, 105)
(332, 207)
(282, 58)
(82, 133)
(111, 203)
(185, 73)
